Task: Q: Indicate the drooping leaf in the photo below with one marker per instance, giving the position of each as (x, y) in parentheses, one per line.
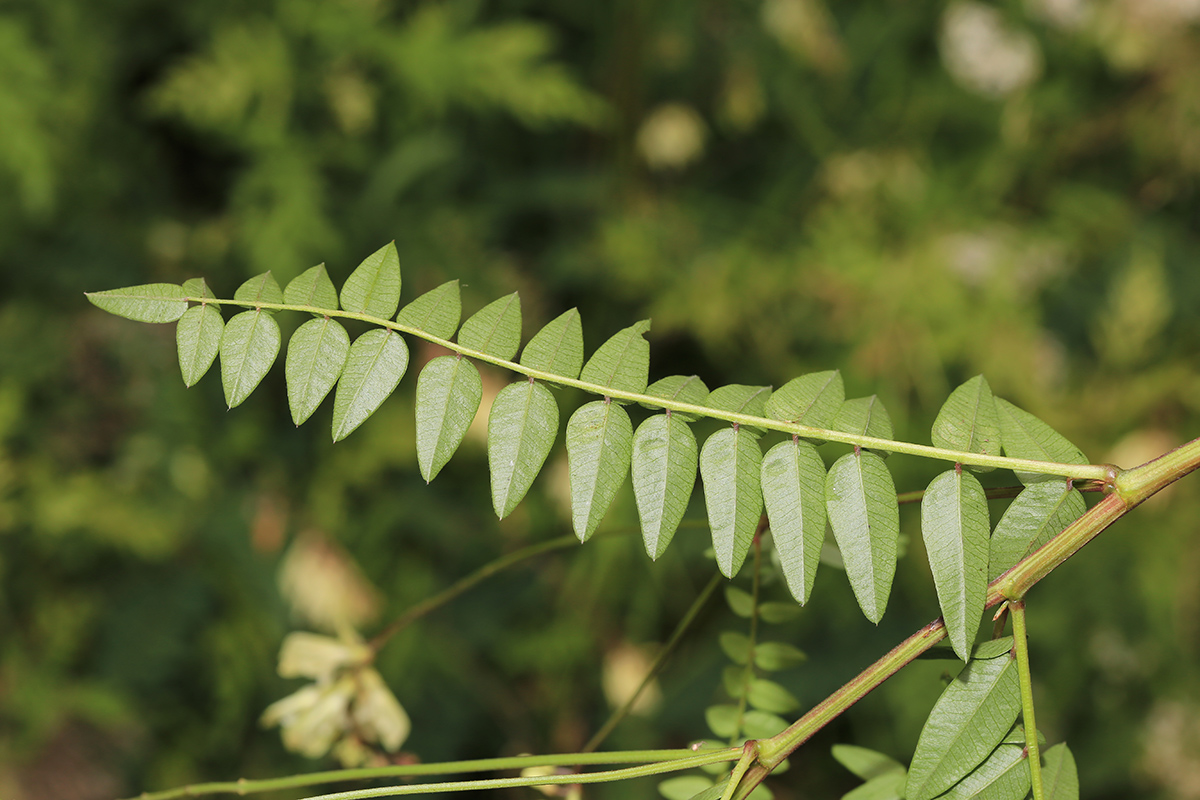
(771, 697)
(684, 787)
(375, 364)
(864, 416)
(739, 602)
(623, 362)
(775, 656)
(729, 468)
(1039, 513)
(197, 287)
(151, 302)
(722, 720)
(741, 399)
(249, 345)
(968, 421)
(198, 338)
(449, 391)
(521, 431)
(883, 787)
(682, 389)
(665, 457)
(558, 347)
(260, 289)
(494, 329)
(860, 499)
(436, 312)
(312, 288)
(374, 286)
(599, 446)
(793, 487)
(1026, 436)
(316, 356)
(955, 527)
(1003, 776)
(866, 763)
(971, 717)
(813, 399)
(1060, 778)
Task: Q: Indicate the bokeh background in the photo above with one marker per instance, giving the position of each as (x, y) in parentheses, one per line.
(908, 190)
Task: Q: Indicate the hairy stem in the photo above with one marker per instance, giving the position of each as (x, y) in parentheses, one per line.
(1021, 647)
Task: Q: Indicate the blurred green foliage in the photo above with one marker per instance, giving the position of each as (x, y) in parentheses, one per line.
(912, 192)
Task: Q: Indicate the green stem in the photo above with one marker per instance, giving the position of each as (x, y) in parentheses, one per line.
(1021, 647)
(749, 754)
(1076, 471)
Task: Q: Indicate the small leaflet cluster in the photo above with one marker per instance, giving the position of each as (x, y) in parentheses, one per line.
(971, 746)
(855, 497)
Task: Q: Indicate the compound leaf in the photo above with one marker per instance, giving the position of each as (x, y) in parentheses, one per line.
(865, 763)
(150, 302)
(449, 391)
(664, 461)
(1026, 436)
(375, 364)
(558, 347)
(249, 345)
(972, 716)
(315, 358)
(793, 487)
(864, 416)
(813, 400)
(260, 289)
(1039, 513)
(860, 499)
(521, 431)
(954, 524)
(682, 389)
(729, 468)
(436, 312)
(494, 329)
(1003, 776)
(623, 362)
(198, 338)
(968, 421)
(599, 446)
(312, 288)
(1060, 778)
(374, 286)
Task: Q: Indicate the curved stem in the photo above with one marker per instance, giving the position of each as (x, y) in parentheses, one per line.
(1021, 647)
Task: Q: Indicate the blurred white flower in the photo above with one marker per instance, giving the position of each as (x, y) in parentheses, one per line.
(324, 586)
(984, 54)
(311, 655)
(671, 136)
(377, 713)
(313, 718)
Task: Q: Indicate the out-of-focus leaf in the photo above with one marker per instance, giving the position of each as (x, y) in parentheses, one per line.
(1026, 436)
(449, 391)
(623, 362)
(684, 787)
(260, 289)
(374, 286)
(494, 329)
(665, 457)
(864, 416)
(316, 356)
(774, 613)
(971, 717)
(151, 302)
(736, 646)
(1060, 778)
(715, 792)
(774, 656)
(866, 763)
(793, 487)
(1003, 776)
(599, 446)
(376, 362)
(758, 724)
(436, 312)
(860, 499)
(813, 399)
(770, 696)
(729, 468)
(883, 787)
(722, 720)
(739, 602)
(558, 347)
(682, 389)
(249, 345)
(1037, 515)
(198, 338)
(955, 526)
(741, 399)
(311, 288)
(521, 431)
(968, 421)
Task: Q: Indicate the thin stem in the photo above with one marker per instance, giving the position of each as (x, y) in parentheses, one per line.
(1077, 471)
(749, 754)
(659, 660)
(1021, 647)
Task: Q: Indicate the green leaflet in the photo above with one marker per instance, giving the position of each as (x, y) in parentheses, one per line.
(972, 716)
(494, 329)
(151, 302)
(723, 720)
(1003, 776)
(312, 288)
(682, 389)
(793, 487)
(955, 526)
(558, 347)
(623, 362)
(316, 355)
(813, 399)
(260, 289)
(860, 499)
(521, 431)
(769, 696)
(737, 646)
(739, 602)
(762, 725)
(375, 364)
(866, 763)
(729, 468)
(599, 446)
(198, 338)
(249, 345)
(449, 390)
(1026, 436)
(1037, 515)
(864, 416)
(664, 461)
(684, 787)
(1060, 779)
(968, 421)
(774, 656)
(197, 287)
(437, 312)
(715, 792)
(883, 787)
(741, 399)
(374, 286)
